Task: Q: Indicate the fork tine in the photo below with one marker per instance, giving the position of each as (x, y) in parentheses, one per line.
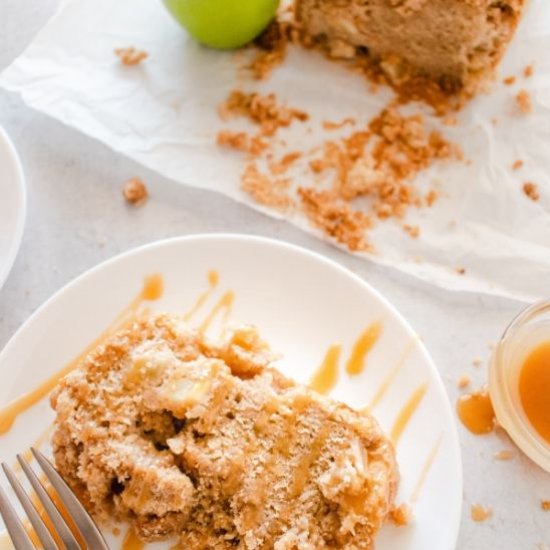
(83, 520)
(36, 521)
(57, 519)
(18, 535)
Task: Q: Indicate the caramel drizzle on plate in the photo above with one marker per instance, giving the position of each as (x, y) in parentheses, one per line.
(131, 541)
(213, 280)
(406, 413)
(326, 376)
(153, 288)
(425, 469)
(225, 304)
(38, 442)
(362, 346)
(390, 377)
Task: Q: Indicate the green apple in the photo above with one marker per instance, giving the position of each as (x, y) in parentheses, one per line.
(223, 24)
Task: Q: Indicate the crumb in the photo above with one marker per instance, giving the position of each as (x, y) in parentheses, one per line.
(517, 164)
(504, 455)
(377, 162)
(327, 125)
(477, 362)
(336, 218)
(277, 168)
(463, 382)
(523, 100)
(509, 80)
(480, 513)
(264, 190)
(116, 531)
(135, 192)
(528, 71)
(450, 121)
(545, 505)
(260, 109)
(412, 230)
(460, 270)
(531, 190)
(401, 515)
(131, 56)
(431, 197)
(380, 162)
(271, 48)
(235, 140)
(494, 121)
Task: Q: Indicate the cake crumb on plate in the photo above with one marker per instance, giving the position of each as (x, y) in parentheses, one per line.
(523, 100)
(401, 515)
(531, 190)
(517, 164)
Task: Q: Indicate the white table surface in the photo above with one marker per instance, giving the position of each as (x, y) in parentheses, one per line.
(77, 218)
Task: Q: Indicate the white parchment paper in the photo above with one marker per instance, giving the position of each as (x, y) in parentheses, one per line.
(162, 113)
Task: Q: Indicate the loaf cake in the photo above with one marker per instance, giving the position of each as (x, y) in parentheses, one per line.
(454, 43)
(208, 443)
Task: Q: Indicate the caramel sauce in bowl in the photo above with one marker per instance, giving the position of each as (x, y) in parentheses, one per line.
(519, 382)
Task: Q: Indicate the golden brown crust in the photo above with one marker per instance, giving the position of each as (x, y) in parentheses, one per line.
(185, 437)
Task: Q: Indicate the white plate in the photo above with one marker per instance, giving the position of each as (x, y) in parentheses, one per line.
(302, 304)
(12, 205)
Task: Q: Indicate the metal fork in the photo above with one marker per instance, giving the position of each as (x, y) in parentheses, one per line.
(88, 530)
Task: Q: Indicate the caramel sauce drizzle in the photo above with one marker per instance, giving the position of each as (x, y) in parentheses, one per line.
(363, 345)
(213, 280)
(390, 377)
(225, 304)
(300, 472)
(131, 541)
(426, 469)
(63, 511)
(153, 288)
(46, 519)
(38, 442)
(407, 412)
(326, 376)
(280, 449)
(47, 522)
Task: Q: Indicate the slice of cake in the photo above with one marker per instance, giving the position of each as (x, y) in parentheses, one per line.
(455, 43)
(208, 443)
